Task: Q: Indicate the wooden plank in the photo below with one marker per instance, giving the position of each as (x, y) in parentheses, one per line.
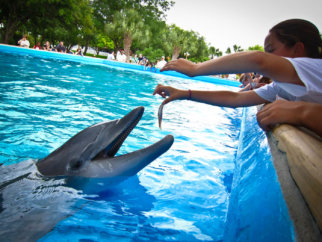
(304, 155)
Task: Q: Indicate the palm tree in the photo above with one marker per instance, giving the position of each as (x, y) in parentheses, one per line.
(128, 24)
(178, 41)
(237, 48)
(214, 52)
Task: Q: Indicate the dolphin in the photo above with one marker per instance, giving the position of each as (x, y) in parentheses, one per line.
(36, 195)
(91, 152)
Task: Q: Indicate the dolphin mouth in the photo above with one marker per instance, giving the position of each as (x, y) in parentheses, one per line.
(109, 152)
(91, 152)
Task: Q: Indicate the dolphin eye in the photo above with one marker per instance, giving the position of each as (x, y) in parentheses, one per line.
(75, 164)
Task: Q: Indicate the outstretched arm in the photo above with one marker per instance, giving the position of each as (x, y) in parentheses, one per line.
(218, 98)
(304, 114)
(269, 65)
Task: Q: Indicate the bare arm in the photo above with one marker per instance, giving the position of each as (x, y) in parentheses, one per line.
(269, 65)
(218, 98)
(304, 114)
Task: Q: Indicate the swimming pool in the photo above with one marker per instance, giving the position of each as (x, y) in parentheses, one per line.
(216, 183)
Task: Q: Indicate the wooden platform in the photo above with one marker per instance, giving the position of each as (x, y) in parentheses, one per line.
(297, 157)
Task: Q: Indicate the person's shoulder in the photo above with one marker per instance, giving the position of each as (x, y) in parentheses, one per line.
(307, 64)
(305, 60)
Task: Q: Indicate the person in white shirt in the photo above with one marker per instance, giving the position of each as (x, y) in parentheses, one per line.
(161, 63)
(24, 42)
(121, 57)
(292, 59)
(110, 56)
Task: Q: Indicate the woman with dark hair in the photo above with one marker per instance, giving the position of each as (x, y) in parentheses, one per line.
(292, 59)
(294, 31)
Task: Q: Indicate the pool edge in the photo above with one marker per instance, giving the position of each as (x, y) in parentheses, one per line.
(93, 60)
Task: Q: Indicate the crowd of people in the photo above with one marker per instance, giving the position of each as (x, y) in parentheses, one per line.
(140, 60)
(250, 81)
(119, 56)
(24, 42)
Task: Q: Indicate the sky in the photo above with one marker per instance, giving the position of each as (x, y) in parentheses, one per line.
(225, 23)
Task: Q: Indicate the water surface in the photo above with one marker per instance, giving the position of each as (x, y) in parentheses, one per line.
(183, 195)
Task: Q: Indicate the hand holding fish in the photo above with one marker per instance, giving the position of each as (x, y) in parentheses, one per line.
(170, 92)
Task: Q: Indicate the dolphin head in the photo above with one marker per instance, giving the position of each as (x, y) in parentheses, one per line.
(91, 152)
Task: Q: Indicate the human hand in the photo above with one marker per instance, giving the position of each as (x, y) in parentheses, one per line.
(280, 111)
(180, 65)
(170, 92)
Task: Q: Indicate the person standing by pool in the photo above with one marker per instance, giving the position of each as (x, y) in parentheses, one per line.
(24, 42)
(47, 46)
(134, 59)
(111, 56)
(292, 58)
(60, 47)
(140, 59)
(37, 46)
(161, 63)
(121, 57)
(79, 51)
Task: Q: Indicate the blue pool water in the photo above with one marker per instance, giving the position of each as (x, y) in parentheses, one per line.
(216, 183)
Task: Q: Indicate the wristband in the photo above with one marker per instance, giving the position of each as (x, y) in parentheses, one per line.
(189, 98)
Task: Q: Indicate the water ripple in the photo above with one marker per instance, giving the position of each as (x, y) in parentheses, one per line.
(182, 195)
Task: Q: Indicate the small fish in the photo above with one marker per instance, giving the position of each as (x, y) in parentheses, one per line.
(160, 114)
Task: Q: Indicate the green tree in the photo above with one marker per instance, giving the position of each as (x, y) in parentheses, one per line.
(152, 54)
(197, 47)
(128, 24)
(237, 48)
(76, 22)
(228, 51)
(104, 10)
(256, 47)
(102, 42)
(44, 18)
(12, 15)
(151, 12)
(176, 41)
(214, 52)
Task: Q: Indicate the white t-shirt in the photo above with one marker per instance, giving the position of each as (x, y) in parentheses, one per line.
(161, 64)
(24, 43)
(121, 58)
(110, 56)
(309, 71)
